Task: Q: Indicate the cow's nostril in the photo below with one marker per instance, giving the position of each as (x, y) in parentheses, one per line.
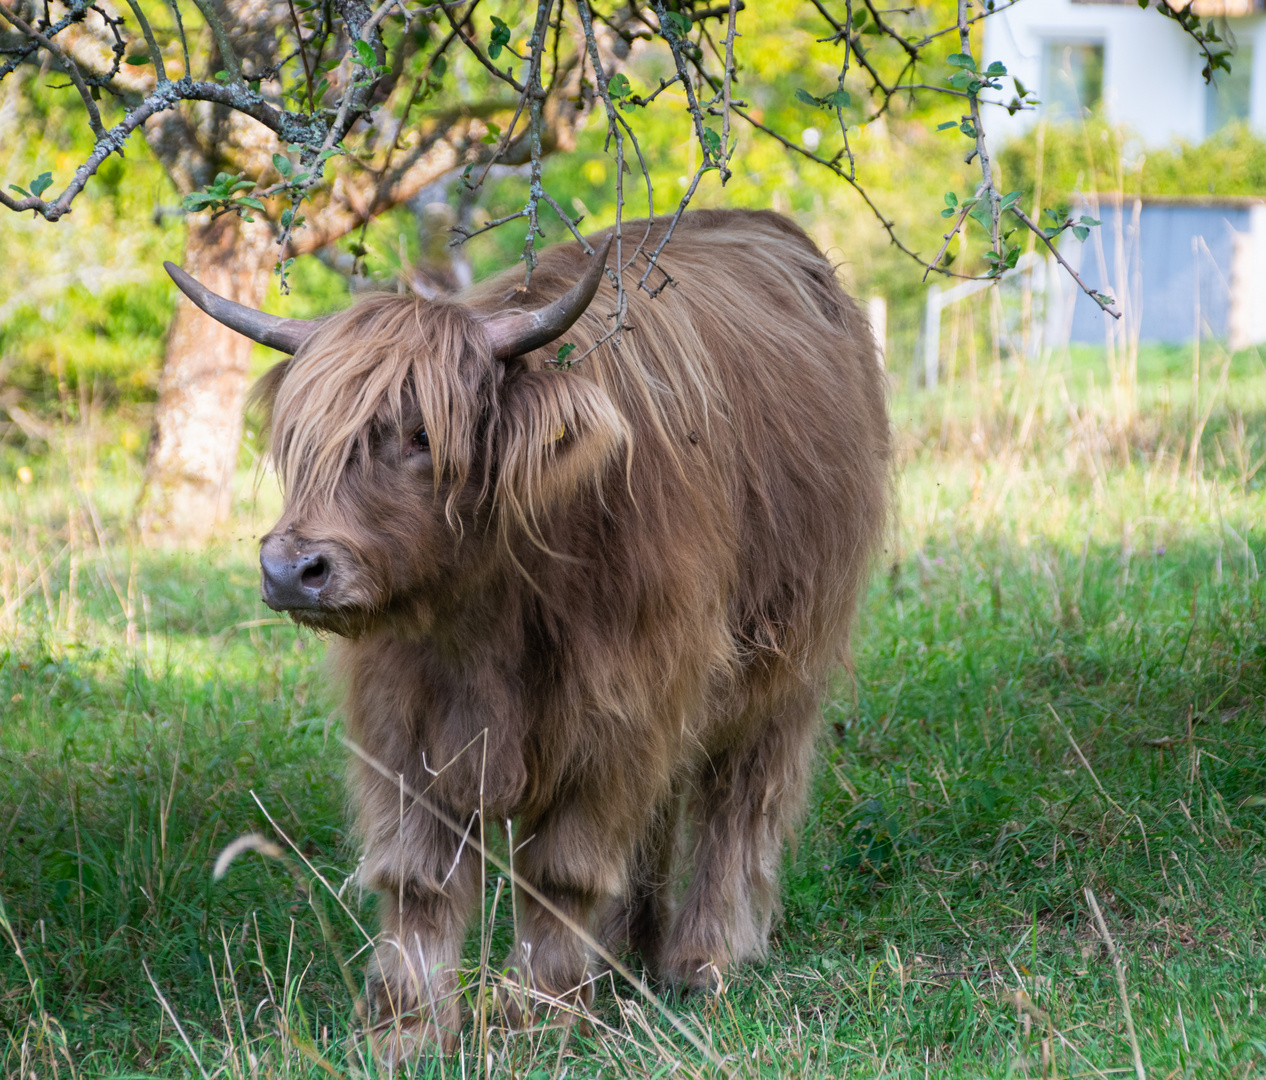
(315, 574)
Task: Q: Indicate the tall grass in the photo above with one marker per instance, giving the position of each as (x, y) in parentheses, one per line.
(1056, 709)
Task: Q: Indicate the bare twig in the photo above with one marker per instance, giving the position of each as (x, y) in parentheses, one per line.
(1106, 303)
(71, 68)
(987, 189)
(727, 91)
(228, 55)
(615, 130)
(155, 53)
(479, 55)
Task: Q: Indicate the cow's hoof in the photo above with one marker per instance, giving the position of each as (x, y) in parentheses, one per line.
(405, 1041)
(526, 1005)
(690, 976)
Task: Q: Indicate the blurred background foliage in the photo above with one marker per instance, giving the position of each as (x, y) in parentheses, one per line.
(84, 304)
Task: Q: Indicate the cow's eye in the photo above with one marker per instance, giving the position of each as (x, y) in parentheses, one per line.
(419, 441)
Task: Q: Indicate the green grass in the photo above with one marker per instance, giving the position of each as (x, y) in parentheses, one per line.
(1059, 685)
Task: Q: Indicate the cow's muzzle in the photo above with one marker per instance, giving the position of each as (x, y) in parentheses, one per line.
(294, 574)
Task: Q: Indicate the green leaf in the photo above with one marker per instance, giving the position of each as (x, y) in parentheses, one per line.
(1010, 199)
(947, 125)
(711, 141)
(679, 23)
(860, 17)
(365, 55)
(221, 76)
(139, 60)
(21, 191)
(961, 60)
(1081, 232)
(949, 211)
(499, 39)
(196, 201)
(1090, 221)
(619, 86)
(246, 200)
(564, 351)
(996, 68)
(836, 99)
(968, 129)
(282, 164)
(439, 67)
(41, 183)
(494, 133)
(1020, 88)
(951, 199)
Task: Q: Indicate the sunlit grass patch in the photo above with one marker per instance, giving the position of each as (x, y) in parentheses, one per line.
(1058, 684)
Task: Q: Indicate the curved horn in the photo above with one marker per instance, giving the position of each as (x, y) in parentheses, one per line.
(514, 335)
(285, 335)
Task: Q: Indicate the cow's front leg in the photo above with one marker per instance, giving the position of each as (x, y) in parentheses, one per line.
(549, 969)
(574, 857)
(428, 888)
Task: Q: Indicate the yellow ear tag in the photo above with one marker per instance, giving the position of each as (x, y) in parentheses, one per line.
(559, 434)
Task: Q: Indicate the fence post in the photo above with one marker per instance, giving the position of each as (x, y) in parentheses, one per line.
(932, 337)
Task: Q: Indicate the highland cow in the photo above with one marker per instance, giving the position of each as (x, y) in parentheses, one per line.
(603, 602)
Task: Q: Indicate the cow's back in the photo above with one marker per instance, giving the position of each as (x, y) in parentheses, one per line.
(732, 546)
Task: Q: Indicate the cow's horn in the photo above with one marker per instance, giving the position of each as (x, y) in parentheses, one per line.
(514, 335)
(285, 335)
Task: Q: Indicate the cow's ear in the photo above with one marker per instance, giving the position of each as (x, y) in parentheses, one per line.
(555, 433)
(264, 393)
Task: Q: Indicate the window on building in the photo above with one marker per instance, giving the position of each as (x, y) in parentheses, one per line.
(1072, 81)
(1226, 100)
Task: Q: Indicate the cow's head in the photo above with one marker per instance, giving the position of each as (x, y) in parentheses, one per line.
(408, 443)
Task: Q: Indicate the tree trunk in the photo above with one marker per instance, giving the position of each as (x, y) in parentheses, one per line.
(197, 430)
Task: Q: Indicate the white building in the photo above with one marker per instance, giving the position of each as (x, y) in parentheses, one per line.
(1180, 265)
(1136, 65)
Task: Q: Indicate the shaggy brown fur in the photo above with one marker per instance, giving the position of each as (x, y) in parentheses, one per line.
(604, 599)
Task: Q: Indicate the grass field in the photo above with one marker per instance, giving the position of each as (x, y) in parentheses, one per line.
(1059, 704)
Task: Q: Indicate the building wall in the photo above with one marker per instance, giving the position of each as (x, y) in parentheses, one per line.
(1151, 69)
(1159, 264)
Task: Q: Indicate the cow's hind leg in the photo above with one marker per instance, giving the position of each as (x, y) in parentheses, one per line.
(748, 800)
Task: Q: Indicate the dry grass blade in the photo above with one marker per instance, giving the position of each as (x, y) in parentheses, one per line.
(1098, 786)
(171, 1015)
(1122, 989)
(261, 844)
